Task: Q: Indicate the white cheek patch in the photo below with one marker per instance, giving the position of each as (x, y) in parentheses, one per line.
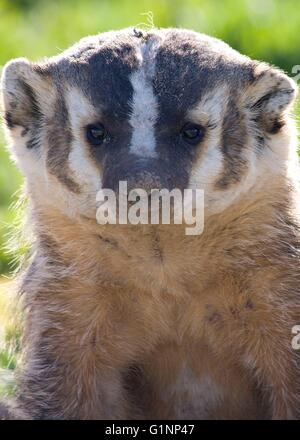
(28, 160)
(82, 166)
(85, 172)
(206, 173)
(207, 169)
(219, 200)
(144, 111)
(45, 188)
(210, 165)
(69, 203)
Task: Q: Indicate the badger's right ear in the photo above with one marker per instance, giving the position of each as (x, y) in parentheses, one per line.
(25, 93)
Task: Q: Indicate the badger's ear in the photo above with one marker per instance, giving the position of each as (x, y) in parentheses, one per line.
(25, 91)
(270, 96)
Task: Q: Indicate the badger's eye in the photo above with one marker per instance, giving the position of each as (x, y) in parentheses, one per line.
(96, 134)
(192, 133)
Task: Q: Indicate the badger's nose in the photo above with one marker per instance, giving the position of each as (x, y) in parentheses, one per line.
(138, 173)
(146, 180)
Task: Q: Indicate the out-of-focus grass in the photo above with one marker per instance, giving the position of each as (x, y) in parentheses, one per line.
(9, 340)
(265, 29)
(10, 182)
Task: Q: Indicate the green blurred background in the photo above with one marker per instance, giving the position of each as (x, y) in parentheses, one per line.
(263, 29)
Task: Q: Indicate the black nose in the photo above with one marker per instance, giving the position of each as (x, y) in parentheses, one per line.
(147, 180)
(146, 174)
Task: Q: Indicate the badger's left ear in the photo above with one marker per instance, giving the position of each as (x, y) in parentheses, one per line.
(26, 92)
(270, 96)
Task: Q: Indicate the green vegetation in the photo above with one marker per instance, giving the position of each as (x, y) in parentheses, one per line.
(263, 29)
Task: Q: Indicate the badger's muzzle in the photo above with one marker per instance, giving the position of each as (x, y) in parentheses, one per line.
(141, 173)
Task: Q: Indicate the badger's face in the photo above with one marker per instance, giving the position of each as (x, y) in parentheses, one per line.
(163, 109)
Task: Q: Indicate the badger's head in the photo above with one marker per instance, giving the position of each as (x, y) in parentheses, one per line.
(160, 109)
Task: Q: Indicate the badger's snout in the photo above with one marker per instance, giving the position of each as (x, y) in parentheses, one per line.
(139, 173)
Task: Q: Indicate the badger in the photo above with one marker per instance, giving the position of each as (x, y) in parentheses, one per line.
(143, 321)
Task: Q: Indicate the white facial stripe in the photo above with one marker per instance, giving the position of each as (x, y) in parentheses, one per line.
(206, 169)
(85, 172)
(80, 109)
(209, 166)
(144, 110)
(211, 107)
(81, 112)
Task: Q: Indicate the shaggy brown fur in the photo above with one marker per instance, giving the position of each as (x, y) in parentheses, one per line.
(225, 306)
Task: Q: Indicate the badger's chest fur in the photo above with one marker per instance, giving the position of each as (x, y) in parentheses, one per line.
(143, 321)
